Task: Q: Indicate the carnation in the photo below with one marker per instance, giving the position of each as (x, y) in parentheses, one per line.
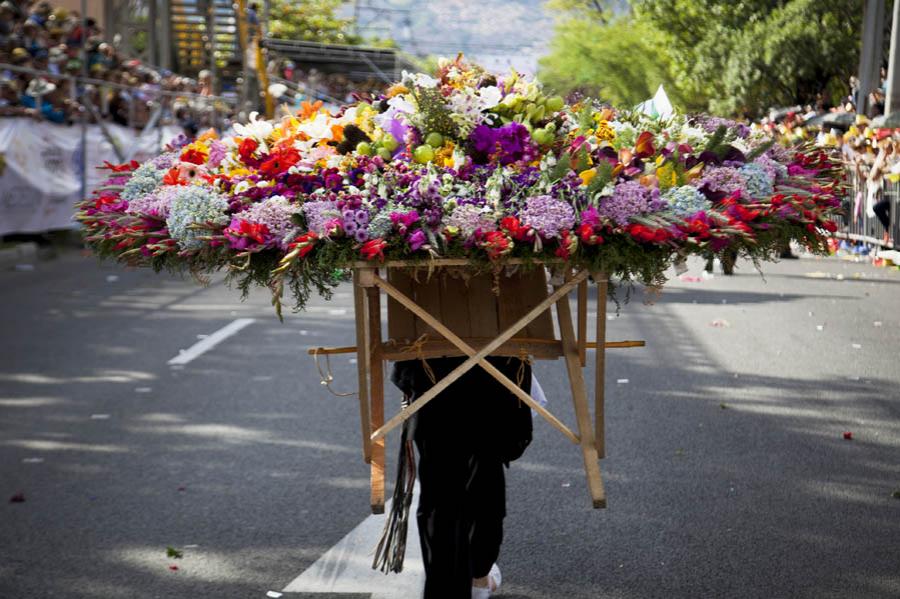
(193, 205)
(686, 200)
(548, 215)
(628, 199)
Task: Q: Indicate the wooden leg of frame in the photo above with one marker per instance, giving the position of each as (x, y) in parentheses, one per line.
(579, 398)
(600, 368)
(582, 322)
(376, 394)
(362, 366)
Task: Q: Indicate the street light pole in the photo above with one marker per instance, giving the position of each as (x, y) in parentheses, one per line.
(870, 57)
(892, 102)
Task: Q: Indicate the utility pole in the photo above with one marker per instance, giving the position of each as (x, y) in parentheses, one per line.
(872, 49)
(892, 101)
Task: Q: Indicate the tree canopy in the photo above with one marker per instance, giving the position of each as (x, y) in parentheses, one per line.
(735, 58)
(310, 20)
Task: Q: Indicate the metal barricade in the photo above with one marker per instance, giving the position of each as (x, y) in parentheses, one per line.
(857, 224)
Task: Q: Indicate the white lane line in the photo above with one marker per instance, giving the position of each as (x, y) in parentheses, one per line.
(347, 567)
(206, 344)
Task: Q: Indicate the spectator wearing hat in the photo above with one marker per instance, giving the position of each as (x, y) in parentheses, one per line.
(9, 100)
(42, 96)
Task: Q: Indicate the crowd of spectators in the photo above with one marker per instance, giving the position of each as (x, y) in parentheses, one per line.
(48, 47)
(334, 87)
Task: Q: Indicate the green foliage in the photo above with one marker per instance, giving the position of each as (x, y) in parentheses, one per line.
(740, 58)
(620, 62)
(310, 20)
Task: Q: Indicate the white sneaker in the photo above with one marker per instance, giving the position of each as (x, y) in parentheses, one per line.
(494, 580)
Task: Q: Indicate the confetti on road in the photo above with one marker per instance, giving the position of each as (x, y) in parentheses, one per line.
(18, 498)
(848, 436)
(820, 327)
(690, 279)
(566, 485)
(720, 323)
(856, 346)
(337, 312)
(112, 278)
(99, 416)
(32, 460)
(174, 553)
(723, 406)
(274, 594)
(622, 381)
(304, 332)
(143, 389)
(173, 568)
(877, 323)
(810, 314)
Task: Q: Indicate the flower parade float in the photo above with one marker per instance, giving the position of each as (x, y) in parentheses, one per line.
(455, 194)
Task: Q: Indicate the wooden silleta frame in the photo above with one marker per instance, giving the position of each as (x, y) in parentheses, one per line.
(444, 308)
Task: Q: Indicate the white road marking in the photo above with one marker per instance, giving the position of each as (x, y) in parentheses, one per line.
(347, 567)
(204, 345)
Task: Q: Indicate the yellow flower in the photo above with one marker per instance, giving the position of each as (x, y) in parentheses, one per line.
(587, 176)
(604, 132)
(667, 176)
(396, 90)
(444, 156)
(238, 172)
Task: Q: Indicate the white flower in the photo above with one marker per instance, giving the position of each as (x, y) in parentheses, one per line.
(490, 96)
(257, 129)
(241, 187)
(318, 128)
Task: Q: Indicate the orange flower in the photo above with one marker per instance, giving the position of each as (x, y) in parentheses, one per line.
(308, 110)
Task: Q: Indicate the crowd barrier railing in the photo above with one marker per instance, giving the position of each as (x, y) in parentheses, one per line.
(858, 224)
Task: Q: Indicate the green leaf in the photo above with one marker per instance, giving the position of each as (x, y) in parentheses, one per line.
(174, 553)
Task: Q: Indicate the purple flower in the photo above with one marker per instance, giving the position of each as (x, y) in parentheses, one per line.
(321, 216)
(217, 152)
(548, 215)
(507, 144)
(628, 199)
(417, 239)
(723, 179)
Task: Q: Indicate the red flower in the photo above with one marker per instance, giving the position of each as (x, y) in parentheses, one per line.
(645, 234)
(496, 244)
(848, 436)
(305, 243)
(643, 147)
(121, 168)
(568, 243)
(515, 229)
(172, 177)
(280, 162)
(589, 235)
(830, 226)
(372, 249)
(246, 149)
(193, 156)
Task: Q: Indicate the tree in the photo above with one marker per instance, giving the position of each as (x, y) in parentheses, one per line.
(310, 20)
(744, 57)
(614, 58)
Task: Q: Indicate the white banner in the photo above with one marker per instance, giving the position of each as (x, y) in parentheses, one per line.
(40, 169)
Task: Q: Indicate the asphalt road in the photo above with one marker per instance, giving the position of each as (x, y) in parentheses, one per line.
(728, 474)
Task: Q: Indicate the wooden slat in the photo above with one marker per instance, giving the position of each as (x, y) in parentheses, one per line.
(482, 304)
(579, 399)
(394, 347)
(440, 348)
(401, 322)
(376, 393)
(454, 304)
(427, 294)
(476, 357)
(582, 322)
(362, 366)
(600, 367)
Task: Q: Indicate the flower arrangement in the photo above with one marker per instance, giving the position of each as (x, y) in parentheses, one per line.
(462, 164)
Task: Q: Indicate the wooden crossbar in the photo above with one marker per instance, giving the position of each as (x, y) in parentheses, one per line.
(476, 357)
(352, 349)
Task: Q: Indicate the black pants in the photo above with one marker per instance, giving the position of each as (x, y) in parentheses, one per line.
(882, 210)
(464, 436)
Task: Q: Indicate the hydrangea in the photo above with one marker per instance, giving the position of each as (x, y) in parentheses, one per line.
(468, 218)
(156, 203)
(192, 205)
(724, 179)
(628, 199)
(320, 214)
(548, 215)
(686, 200)
(775, 169)
(759, 183)
(274, 212)
(381, 224)
(711, 124)
(144, 180)
(165, 161)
